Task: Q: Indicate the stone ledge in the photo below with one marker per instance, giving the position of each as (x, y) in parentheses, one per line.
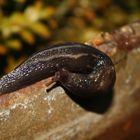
(33, 113)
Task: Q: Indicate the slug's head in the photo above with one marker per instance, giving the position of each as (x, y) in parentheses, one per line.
(99, 81)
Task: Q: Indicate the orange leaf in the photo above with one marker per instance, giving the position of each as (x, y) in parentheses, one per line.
(3, 49)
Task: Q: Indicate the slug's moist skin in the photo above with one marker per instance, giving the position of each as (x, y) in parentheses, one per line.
(81, 69)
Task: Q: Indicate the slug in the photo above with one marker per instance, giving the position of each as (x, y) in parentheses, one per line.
(81, 69)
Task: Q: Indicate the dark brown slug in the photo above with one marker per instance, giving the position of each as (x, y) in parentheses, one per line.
(81, 69)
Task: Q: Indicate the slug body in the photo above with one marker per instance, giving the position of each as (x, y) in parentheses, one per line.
(81, 69)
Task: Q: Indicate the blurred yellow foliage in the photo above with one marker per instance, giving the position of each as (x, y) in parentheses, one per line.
(40, 29)
(14, 43)
(26, 24)
(27, 36)
(23, 28)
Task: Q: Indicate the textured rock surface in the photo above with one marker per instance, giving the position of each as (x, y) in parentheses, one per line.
(33, 113)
